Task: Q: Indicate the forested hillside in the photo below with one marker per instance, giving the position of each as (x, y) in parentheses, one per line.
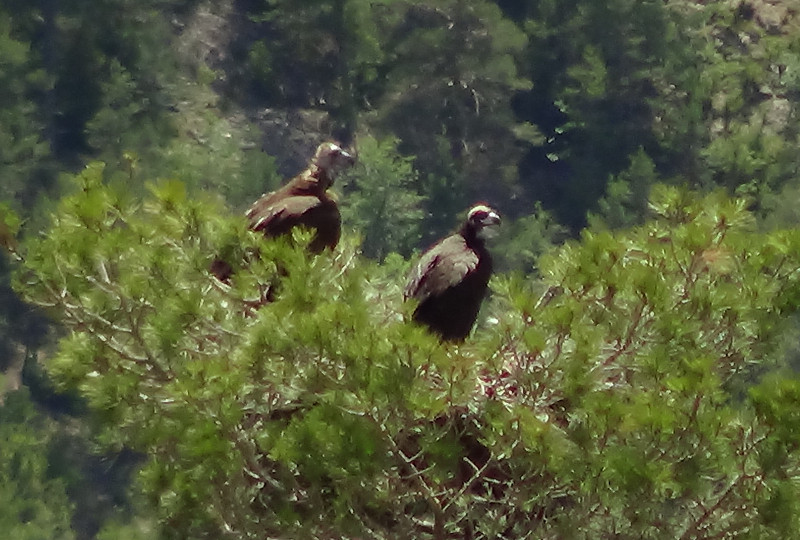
(632, 373)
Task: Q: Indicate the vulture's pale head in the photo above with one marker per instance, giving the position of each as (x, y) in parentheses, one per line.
(330, 159)
(483, 220)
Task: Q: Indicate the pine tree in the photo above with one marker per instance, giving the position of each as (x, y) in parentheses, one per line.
(640, 396)
(381, 201)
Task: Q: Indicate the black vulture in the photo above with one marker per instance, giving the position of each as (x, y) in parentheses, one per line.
(303, 201)
(451, 278)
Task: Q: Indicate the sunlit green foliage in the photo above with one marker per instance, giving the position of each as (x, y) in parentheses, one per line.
(641, 357)
(616, 404)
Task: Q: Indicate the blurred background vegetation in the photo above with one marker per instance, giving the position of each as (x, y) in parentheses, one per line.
(560, 113)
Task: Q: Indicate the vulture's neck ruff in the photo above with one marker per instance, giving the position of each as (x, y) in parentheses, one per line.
(328, 161)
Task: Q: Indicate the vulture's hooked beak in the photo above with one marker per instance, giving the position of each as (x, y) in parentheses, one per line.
(492, 219)
(343, 161)
(348, 157)
(490, 225)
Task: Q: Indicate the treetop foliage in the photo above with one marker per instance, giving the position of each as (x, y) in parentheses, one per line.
(615, 403)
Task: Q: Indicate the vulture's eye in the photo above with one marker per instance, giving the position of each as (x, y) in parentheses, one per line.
(482, 215)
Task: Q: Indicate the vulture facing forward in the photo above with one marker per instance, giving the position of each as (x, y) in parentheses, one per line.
(451, 278)
(303, 201)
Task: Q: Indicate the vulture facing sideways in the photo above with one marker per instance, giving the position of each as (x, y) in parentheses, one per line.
(303, 201)
(451, 278)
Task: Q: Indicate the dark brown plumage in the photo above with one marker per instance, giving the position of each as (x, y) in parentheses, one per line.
(451, 278)
(303, 201)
